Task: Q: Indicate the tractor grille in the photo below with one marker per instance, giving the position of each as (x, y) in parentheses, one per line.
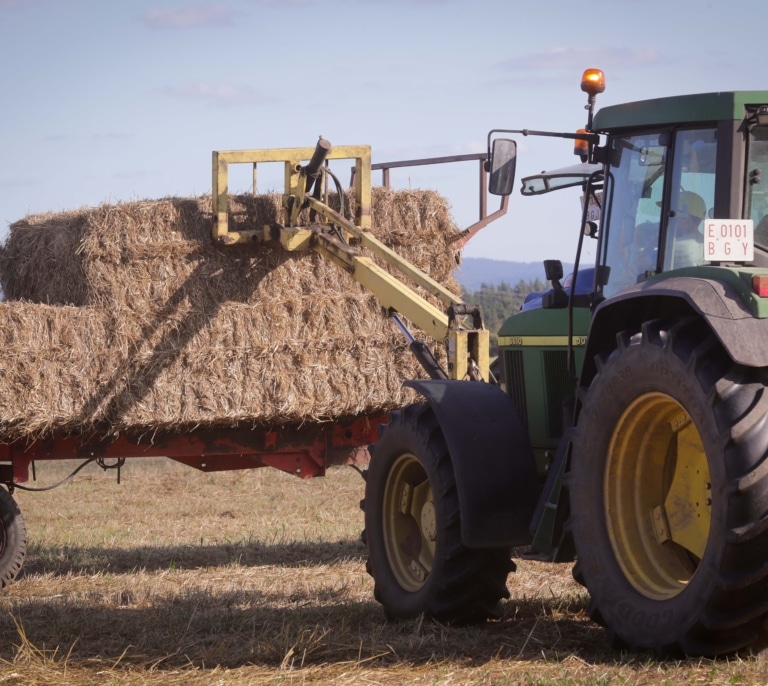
(559, 386)
(513, 365)
(548, 400)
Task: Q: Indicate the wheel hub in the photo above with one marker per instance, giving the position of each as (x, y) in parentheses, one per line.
(428, 522)
(657, 495)
(410, 522)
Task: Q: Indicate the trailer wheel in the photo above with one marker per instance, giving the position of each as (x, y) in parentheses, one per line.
(669, 493)
(412, 529)
(13, 539)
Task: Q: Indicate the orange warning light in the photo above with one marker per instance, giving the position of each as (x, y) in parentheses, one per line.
(593, 81)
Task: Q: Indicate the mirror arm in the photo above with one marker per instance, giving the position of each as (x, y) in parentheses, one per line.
(591, 138)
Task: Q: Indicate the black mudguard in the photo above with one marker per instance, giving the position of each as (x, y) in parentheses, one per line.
(492, 460)
(719, 302)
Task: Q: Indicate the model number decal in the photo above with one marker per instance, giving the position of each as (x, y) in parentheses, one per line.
(560, 341)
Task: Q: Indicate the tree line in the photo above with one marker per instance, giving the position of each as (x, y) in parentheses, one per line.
(499, 302)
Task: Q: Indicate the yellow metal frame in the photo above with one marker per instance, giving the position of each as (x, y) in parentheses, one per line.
(465, 346)
(294, 184)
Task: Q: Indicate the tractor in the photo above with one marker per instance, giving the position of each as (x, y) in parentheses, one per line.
(632, 435)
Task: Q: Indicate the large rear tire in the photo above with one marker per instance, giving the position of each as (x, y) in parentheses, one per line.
(13, 539)
(412, 529)
(669, 493)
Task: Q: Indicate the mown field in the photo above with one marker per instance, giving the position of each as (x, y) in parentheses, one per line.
(179, 577)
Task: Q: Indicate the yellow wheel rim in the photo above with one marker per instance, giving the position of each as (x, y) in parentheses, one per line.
(657, 496)
(410, 522)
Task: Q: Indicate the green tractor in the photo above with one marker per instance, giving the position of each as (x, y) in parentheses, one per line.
(632, 434)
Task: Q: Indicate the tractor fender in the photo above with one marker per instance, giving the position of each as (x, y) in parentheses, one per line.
(492, 460)
(720, 303)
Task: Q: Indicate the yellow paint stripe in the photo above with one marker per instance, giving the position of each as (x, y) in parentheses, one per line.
(561, 341)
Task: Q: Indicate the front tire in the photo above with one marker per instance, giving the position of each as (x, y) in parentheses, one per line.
(669, 493)
(412, 529)
(13, 539)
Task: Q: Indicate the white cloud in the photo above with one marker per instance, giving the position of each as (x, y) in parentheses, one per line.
(564, 57)
(17, 183)
(132, 174)
(188, 16)
(412, 2)
(287, 3)
(20, 4)
(220, 93)
(108, 137)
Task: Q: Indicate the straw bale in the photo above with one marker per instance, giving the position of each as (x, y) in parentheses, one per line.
(50, 358)
(84, 370)
(39, 260)
(158, 328)
(140, 254)
(225, 371)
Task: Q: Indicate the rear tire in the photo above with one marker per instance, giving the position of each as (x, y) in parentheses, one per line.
(13, 539)
(669, 493)
(412, 529)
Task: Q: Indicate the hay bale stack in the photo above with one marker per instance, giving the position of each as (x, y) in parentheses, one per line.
(158, 328)
(145, 254)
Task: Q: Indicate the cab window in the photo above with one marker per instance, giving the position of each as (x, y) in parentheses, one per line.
(757, 183)
(633, 191)
(658, 195)
(691, 199)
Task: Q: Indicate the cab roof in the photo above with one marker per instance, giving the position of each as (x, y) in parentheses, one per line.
(679, 109)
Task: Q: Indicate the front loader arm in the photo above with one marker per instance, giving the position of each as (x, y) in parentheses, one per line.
(392, 294)
(369, 241)
(339, 240)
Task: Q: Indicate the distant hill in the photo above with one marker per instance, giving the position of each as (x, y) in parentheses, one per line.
(475, 271)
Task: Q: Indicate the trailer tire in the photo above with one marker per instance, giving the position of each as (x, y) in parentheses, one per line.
(412, 529)
(13, 538)
(668, 487)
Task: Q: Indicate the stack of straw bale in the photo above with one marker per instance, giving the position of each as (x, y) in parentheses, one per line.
(126, 318)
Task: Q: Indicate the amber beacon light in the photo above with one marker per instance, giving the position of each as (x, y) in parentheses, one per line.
(593, 81)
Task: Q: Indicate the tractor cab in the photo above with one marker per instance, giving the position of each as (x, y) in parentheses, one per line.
(682, 185)
(671, 187)
(677, 183)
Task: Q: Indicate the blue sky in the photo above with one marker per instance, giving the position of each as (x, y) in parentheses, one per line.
(108, 101)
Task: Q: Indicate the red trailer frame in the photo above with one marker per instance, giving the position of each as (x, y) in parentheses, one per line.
(304, 451)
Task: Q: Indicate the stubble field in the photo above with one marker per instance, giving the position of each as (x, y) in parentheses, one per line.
(257, 577)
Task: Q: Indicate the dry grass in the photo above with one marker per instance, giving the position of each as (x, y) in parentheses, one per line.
(178, 577)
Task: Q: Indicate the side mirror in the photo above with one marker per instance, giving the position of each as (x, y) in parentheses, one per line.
(503, 159)
(557, 298)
